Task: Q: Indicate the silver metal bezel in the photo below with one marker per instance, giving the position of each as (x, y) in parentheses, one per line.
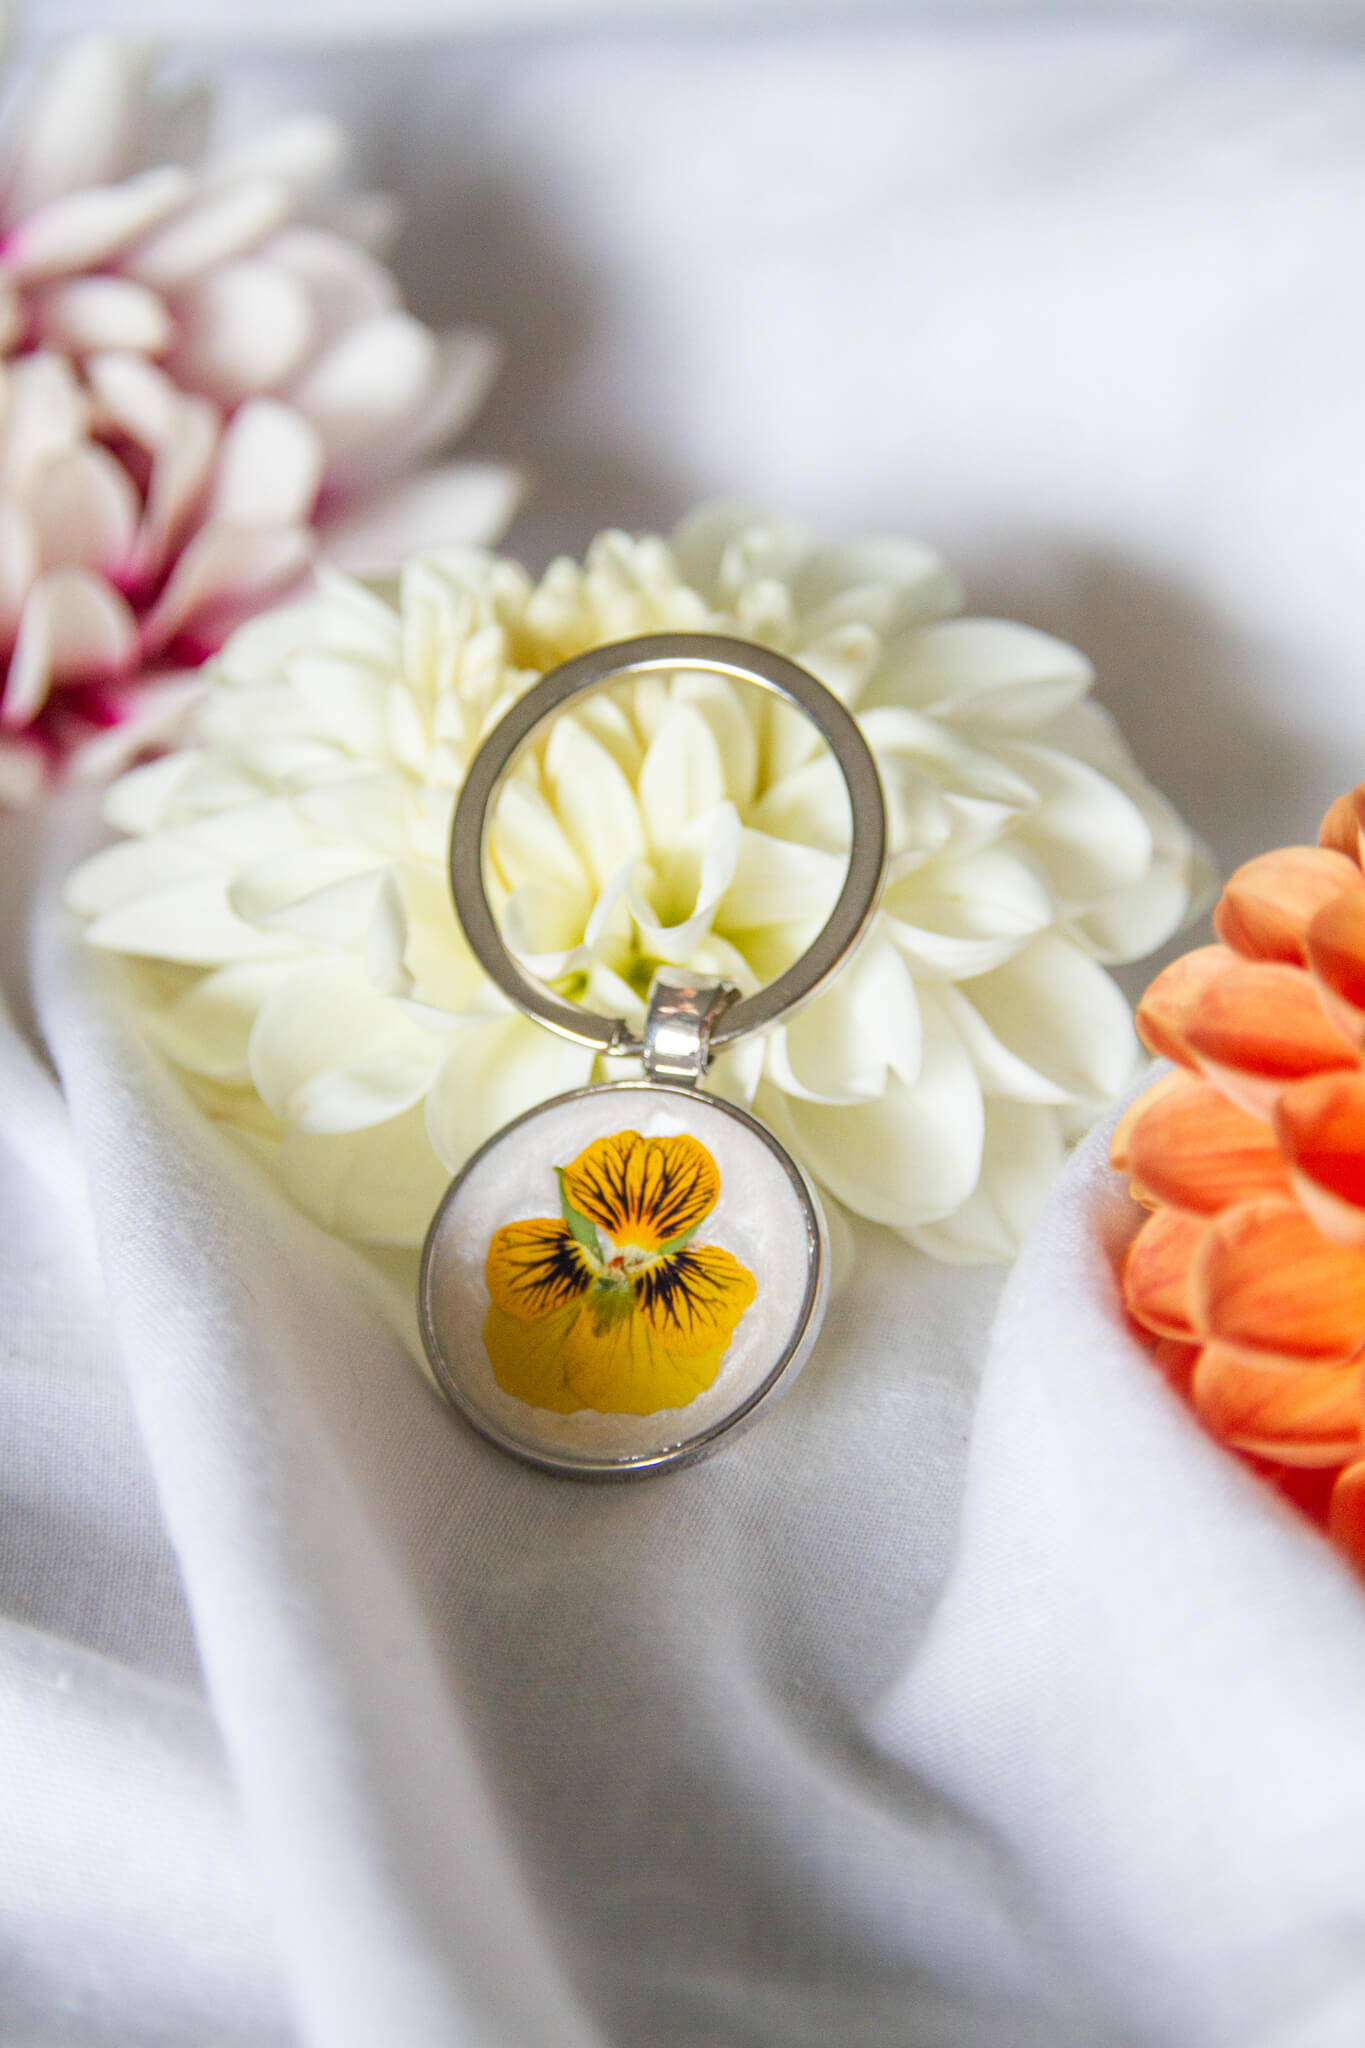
(686, 1452)
(649, 653)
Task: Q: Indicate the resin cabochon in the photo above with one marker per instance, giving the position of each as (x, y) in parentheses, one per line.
(766, 1216)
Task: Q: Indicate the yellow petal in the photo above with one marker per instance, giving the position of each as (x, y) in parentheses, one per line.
(535, 1268)
(693, 1299)
(1268, 904)
(624, 1367)
(1189, 1146)
(1265, 1278)
(1297, 1414)
(528, 1357)
(643, 1191)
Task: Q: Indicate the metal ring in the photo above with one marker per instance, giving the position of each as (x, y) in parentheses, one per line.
(650, 652)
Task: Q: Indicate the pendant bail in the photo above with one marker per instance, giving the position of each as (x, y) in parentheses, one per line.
(677, 1040)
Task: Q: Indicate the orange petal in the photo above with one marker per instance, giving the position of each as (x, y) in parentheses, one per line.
(1175, 1361)
(1306, 1487)
(1259, 1025)
(1336, 954)
(1173, 999)
(1296, 1414)
(1118, 1143)
(1156, 1272)
(1320, 1124)
(1346, 1514)
(1341, 825)
(1193, 1148)
(1263, 1276)
(1266, 908)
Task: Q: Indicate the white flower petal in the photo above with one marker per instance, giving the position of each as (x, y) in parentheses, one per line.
(77, 123)
(1088, 835)
(838, 1049)
(466, 362)
(914, 577)
(691, 881)
(841, 659)
(957, 917)
(18, 564)
(809, 805)
(493, 1071)
(226, 569)
(189, 922)
(324, 894)
(206, 1029)
(368, 382)
(1021, 1157)
(84, 314)
(593, 799)
(46, 412)
(94, 225)
(302, 150)
(777, 882)
(345, 285)
(138, 801)
(682, 776)
(134, 868)
(134, 397)
(269, 466)
(989, 674)
(329, 1053)
(1061, 1015)
(912, 1155)
(1001, 1071)
(149, 714)
(378, 1185)
(732, 713)
(440, 967)
(23, 771)
(84, 510)
(1133, 921)
(213, 228)
(73, 628)
(464, 504)
(181, 466)
(543, 924)
(244, 328)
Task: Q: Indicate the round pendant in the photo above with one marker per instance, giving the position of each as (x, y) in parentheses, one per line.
(621, 1277)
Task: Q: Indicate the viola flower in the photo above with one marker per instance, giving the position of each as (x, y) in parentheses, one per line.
(612, 1305)
(1250, 1270)
(206, 378)
(285, 882)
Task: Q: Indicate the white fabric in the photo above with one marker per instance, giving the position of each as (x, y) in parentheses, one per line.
(911, 1719)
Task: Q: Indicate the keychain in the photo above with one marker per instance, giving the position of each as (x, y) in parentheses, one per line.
(623, 1275)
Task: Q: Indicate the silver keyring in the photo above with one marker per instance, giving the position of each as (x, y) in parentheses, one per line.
(717, 654)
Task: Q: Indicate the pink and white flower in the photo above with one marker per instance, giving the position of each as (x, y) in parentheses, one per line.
(207, 377)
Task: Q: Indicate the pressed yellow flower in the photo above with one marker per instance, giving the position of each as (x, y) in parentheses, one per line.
(611, 1305)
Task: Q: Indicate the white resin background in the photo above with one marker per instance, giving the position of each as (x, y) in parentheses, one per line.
(759, 1216)
(970, 1699)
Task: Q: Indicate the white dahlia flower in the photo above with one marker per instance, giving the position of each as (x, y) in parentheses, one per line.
(285, 883)
(205, 372)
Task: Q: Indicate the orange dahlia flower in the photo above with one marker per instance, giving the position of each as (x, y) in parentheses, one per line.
(1250, 1271)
